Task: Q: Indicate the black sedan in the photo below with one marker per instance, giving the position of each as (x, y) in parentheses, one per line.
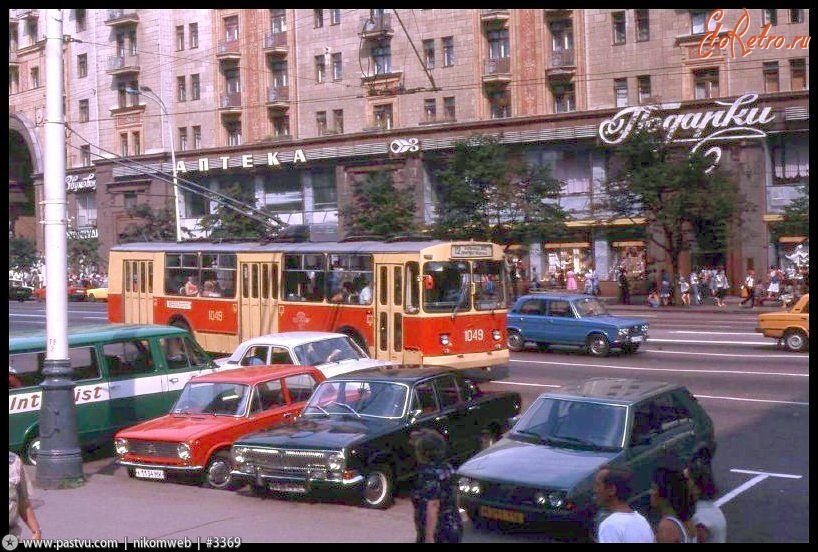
(353, 436)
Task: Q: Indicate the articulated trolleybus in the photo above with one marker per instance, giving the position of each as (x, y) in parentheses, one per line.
(415, 302)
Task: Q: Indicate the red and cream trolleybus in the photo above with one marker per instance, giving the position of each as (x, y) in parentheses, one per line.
(414, 302)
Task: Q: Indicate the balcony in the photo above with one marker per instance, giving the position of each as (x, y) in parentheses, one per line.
(275, 43)
(230, 103)
(278, 97)
(497, 71)
(14, 60)
(116, 18)
(228, 50)
(379, 27)
(497, 17)
(121, 65)
(561, 63)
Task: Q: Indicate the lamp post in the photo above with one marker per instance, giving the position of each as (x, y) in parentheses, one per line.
(165, 115)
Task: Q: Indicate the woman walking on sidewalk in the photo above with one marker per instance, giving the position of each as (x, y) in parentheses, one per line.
(749, 288)
(722, 284)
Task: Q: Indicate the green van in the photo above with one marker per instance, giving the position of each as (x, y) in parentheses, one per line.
(124, 374)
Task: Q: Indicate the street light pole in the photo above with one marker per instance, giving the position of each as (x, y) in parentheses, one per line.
(166, 116)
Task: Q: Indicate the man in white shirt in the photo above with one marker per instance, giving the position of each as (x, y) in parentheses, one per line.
(611, 490)
(365, 295)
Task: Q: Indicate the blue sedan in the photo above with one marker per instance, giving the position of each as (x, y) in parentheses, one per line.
(572, 320)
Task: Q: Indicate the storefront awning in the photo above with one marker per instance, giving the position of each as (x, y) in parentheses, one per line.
(570, 245)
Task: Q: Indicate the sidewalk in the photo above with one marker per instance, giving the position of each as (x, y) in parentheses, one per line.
(732, 305)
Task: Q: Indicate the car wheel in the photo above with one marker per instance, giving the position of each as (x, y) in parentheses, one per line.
(796, 341)
(515, 341)
(217, 473)
(32, 450)
(598, 345)
(378, 487)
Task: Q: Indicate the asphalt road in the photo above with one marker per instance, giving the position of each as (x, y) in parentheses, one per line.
(757, 395)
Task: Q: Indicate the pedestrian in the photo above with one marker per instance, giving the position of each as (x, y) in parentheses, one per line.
(775, 284)
(695, 290)
(437, 516)
(612, 488)
(19, 502)
(722, 285)
(594, 277)
(624, 287)
(711, 525)
(653, 298)
(570, 280)
(670, 498)
(684, 288)
(748, 291)
(664, 289)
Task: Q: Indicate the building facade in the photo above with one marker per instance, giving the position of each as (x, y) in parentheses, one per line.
(295, 105)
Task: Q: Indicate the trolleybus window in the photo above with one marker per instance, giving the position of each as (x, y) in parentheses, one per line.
(490, 289)
(412, 288)
(208, 275)
(304, 277)
(347, 276)
(446, 286)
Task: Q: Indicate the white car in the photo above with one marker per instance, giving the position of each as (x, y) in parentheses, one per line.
(332, 353)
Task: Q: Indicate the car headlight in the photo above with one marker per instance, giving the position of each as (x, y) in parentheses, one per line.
(121, 446)
(556, 499)
(644, 328)
(622, 331)
(183, 450)
(335, 462)
(497, 335)
(469, 486)
(444, 340)
(238, 454)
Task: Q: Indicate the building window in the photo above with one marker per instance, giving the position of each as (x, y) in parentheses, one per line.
(82, 19)
(85, 156)
(232, 81)
(279, 72)
(430, 110)
(770, 17)
(618, 19)
(621, 92)
(233, 133)
(338, 120)
(120, 44)
(193, 30)
(182, 138)
(643, 84)
(796, 16)
(498, 44)
(449, 108)
(337, 67)
(706, 83)
(86, 210)
(642, 25)
(564, 100)
(562, 35)
(82, 65)
(181, 89)
(382, 59)
(798, 74)
(195, 87)
(129, 200)
(335, 17)
(321, 122)
(281, 125)
(84, 111)
(136, 140)
(318, 16)
(180, 38)
(35, 77)
(699, 20)
(429, 53)
(231, 28)
(500, 101)
(31, 31)
(383, 116)
(771, 76)
(123, 144)
(14, 80)
(197, 137)
(278, 21)
(14, 42)
(448, 51)
(320, 69)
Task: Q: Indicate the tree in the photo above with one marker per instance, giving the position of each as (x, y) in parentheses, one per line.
(795, 217)
(486, 190)
(378, 208)
(22, 253)
(227, 223)
(682, 203)
(154, 225)
(82, 252)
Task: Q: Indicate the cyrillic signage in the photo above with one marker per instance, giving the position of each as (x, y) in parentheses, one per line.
(467, 251)
(83, 234)
(73, 183)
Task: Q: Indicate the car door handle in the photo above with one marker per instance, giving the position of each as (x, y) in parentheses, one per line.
(440, 418)
(173, 380)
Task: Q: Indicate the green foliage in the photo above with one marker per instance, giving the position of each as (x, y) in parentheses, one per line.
(227, 223)
(22, 253)
(486, 190)
(82, 252)
(154, 225)
(378, 208)
(796, 217)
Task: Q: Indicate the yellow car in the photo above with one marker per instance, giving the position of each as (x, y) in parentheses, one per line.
(97, 294)
(790, 327)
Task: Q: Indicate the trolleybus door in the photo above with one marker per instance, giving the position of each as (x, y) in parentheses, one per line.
(389, 312)
(138, 292)
(257, 299)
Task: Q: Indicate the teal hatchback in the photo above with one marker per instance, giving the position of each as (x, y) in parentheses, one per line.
(572, 320)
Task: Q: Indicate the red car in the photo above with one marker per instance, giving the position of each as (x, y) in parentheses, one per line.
(75, 293)
(211, 413)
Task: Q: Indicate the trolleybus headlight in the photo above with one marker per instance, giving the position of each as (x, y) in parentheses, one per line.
(497, 335)
(444, 340)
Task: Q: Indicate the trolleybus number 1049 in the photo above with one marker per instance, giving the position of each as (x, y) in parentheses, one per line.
(473, 335)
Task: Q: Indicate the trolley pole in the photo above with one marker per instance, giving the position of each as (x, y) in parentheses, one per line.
(55, 445)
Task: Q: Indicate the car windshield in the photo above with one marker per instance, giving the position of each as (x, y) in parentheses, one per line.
(590, 306)
(225, 399)
(358, 398)
(573, 423)
(324, 351)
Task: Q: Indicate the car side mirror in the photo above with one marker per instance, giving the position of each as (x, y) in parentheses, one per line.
(513, 421)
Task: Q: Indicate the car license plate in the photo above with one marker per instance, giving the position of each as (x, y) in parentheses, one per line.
(636, 339)
(287, 487)
(502, 515)
(142, 473)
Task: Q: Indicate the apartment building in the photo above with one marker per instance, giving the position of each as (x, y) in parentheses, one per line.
(296, 104)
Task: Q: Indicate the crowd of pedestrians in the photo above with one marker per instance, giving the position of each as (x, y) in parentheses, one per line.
(84, 276)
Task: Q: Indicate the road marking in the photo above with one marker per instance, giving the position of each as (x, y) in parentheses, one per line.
(657, 340)
(711, 332)
(780, 356)
(751, 483)
(663, 369)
